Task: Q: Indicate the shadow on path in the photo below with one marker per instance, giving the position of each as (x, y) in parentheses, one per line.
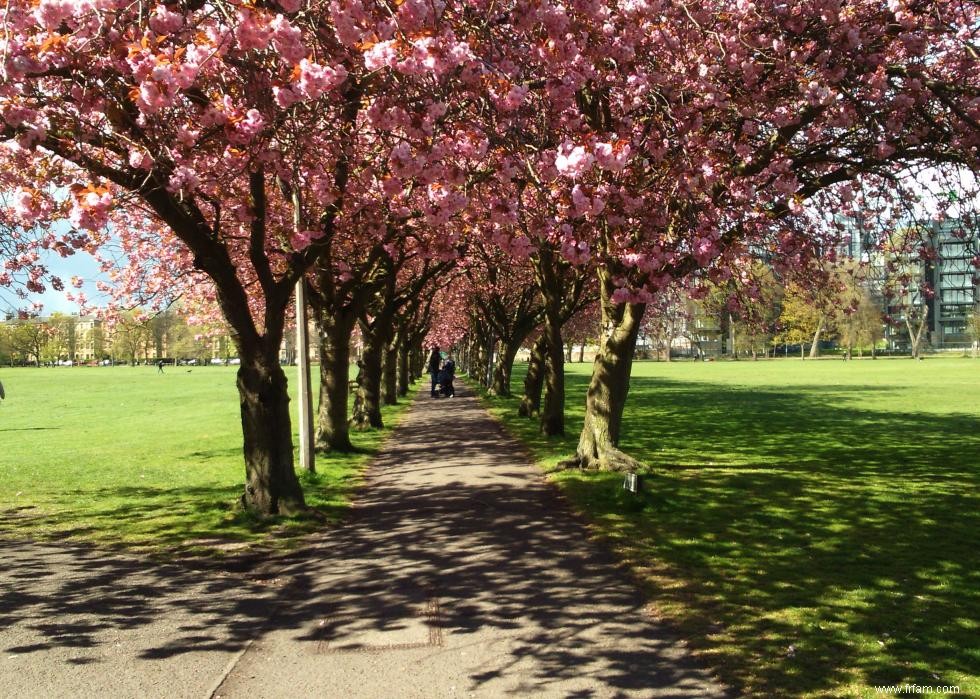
(461, 573)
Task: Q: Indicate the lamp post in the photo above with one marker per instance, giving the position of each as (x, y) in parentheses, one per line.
(306, 458)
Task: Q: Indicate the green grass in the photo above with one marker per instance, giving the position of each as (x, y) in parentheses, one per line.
(123, 456)
(812, 527)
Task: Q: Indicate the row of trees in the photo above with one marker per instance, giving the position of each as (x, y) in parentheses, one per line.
(393, 158)
(129, 336)
(35, 342)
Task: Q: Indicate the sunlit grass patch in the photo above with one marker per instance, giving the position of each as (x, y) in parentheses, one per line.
(127, 457)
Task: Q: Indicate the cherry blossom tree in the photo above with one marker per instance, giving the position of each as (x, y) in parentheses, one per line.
(231, 123)
(505, 296)
(688, 139)
(641, 143)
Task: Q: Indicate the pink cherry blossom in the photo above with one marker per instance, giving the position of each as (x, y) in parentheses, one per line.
(573, 161)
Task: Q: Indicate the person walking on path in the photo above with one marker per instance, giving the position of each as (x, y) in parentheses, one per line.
(435, 362)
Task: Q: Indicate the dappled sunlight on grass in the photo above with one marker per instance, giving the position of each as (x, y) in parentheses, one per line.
(149, 462)
(812, 526)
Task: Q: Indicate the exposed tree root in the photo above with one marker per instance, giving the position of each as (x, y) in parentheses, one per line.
(527, 408)
(363, 423)
(608, 459)
(612, 459)
(326, 447)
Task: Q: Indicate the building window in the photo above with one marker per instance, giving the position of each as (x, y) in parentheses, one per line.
(957, 296)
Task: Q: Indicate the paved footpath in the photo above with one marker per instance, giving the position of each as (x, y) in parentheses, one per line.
(460, 574)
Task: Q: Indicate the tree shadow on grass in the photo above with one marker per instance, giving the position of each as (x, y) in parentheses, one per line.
(372, 578)
(805, 542)
(498, 564)
(167, 521)
(798, 428)
(784, 571)
(28, 429)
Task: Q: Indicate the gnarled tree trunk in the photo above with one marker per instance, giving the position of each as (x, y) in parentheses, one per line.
(367, 410)
(504, 366)
(336, 327)
(271, 486)
(553, 406)
(533, 381)
(390, 373)
(598, 446)
(481, 357)
(404, 366)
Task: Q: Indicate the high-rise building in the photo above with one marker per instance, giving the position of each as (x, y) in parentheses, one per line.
(948, 272)
(955, 280)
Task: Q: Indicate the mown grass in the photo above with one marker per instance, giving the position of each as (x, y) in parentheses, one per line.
(812, 527)
(124, 456)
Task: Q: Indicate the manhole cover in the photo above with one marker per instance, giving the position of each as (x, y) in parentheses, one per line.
(423, 630)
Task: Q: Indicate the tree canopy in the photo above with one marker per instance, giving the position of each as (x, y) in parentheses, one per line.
(365, 147)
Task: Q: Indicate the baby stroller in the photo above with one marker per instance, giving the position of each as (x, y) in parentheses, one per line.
(446, 379)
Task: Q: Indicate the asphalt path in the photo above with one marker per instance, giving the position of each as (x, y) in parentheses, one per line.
(461, 573)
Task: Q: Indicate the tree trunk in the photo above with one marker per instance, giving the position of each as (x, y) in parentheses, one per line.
(367, 411)
(916, 338)
(731, 337)
(419, 353)
(815, 345)
(486, 370)
(553, 406)
(271, 486)
(581, 353)
(504, 367)
(416, 360)
(533, 381)
(404, 369)
(335, 333)
(481, 356)
(390, 373)
(598, 446)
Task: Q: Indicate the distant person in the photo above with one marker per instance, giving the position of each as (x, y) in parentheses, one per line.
(446, 376)
(435, 364)
(160, 366)
(2, 394)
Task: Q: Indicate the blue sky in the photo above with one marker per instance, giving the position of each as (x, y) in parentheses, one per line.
(80, 264)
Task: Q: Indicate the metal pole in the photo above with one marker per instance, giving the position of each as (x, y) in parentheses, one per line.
(306, 458)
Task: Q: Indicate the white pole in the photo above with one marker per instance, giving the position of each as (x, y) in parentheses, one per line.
(306, 458)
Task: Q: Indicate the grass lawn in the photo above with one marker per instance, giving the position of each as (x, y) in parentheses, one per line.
(812, 527)
(125, 456)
